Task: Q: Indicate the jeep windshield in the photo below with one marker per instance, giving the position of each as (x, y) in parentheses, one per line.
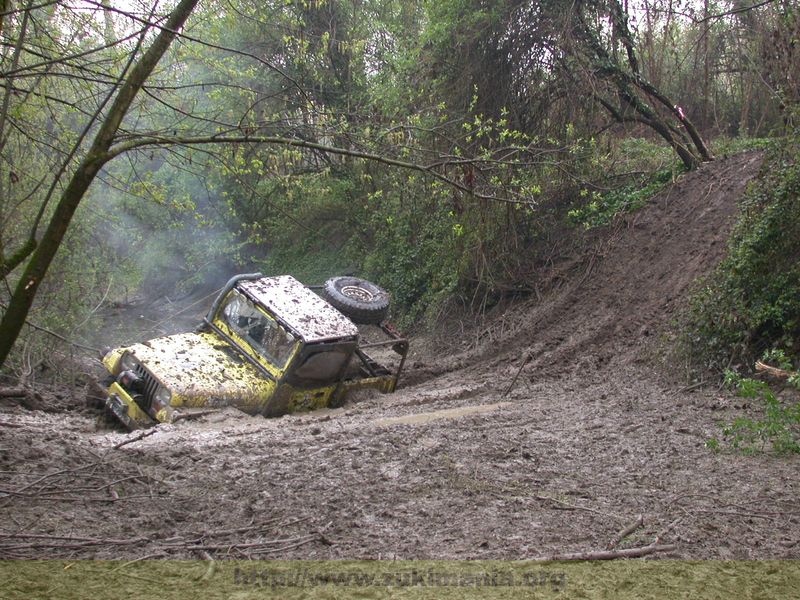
(263, 333)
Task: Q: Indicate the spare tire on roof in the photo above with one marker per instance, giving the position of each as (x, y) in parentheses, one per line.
(359, 299)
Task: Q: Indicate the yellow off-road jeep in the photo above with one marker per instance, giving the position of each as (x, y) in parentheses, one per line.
(269, 346)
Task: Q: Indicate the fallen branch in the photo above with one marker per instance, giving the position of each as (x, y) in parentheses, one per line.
(193, 415)
(263, 526)
(63, 490)
(774, 371)
(25, 545)
(748, 515)
(609, 554)
(81, 498)
(28, 398)
(632, 428)
(304, 539)
(141, 436)
(55, 335)
(660, 535)
(691, 387)
(54, 474)
(13, 392)
(567, 506)
(61, 542)
(514, 381)
(303, 542)
(73, 538)
(136, 560)
(626, 532)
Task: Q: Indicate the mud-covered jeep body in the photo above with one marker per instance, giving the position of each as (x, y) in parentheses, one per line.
(269, 346)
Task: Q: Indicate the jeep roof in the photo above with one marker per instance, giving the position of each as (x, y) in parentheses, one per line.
(308, 315)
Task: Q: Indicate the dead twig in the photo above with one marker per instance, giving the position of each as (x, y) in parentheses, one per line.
(632, 428)
(71, 538)
(660, 535)
(748, 515)
(110, 499)
(28, 397)
(59, 490)
(60, 542)
(13, 392)
(141, 558)
(626, 532)
(54, 474)
(568, 506)
(252, 527)
(193, 415)
(55, 335)
(689, 388)
(311, 538)
(514, 381)
(141, 436)
(250, 545)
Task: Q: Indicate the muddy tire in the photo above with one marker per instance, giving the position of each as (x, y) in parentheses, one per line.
(359, 299)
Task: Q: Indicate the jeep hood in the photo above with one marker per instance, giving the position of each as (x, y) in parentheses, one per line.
(201, 369)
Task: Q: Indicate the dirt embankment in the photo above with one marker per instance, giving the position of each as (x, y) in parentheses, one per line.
(551, 435)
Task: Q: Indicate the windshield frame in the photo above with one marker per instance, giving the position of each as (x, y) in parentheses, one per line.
(274, 355)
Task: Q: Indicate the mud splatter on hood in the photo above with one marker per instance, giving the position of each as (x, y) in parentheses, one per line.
(200, 367)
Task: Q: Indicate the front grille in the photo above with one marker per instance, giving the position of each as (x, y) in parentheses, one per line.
(150, 386)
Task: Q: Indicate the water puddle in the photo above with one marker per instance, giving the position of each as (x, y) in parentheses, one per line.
(451, 413)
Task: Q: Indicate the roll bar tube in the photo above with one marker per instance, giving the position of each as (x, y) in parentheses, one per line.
(227, 288)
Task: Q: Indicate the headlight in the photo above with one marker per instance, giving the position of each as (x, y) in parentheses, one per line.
(128, 362)
(162, 397)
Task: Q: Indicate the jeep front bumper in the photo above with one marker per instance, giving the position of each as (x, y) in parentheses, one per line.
(120, 403)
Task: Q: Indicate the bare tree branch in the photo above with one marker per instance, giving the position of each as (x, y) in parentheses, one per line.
(153, 141)
(735, 11)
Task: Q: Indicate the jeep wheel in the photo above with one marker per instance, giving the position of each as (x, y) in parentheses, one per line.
(362, 301)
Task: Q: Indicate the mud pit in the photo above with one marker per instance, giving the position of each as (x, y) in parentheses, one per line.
(550, 434)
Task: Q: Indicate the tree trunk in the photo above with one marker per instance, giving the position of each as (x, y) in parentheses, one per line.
(108, 32)
(25, 292)
(627, 79)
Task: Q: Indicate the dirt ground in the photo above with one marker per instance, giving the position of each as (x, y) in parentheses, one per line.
(557, 424)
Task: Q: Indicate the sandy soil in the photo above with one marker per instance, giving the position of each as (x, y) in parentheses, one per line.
(559, 424)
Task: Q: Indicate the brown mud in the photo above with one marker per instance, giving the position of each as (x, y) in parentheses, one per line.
(561, 422)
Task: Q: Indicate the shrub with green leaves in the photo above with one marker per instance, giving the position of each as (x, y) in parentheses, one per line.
(752, 301)
(602, 207)
(778, 426)
(619, 176)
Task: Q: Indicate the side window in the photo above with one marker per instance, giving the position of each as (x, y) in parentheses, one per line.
(258, 329)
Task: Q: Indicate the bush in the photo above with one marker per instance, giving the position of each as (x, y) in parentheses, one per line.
(604, 206)
(779, 425)
(752, 301)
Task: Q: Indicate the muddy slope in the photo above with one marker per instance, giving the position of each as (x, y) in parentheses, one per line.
(550, 436)
(626, 288)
